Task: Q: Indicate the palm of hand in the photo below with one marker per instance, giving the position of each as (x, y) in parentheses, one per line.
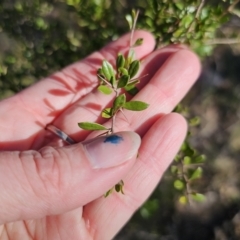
(66, 98)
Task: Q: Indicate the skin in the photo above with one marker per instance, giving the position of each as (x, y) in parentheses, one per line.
(46, 191)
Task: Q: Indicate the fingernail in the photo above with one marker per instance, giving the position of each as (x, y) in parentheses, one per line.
(112, 150)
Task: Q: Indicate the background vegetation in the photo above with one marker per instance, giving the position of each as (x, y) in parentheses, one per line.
(40, 37)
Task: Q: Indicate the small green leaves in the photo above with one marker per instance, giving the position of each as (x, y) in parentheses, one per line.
(129, 20)
(123, 71)
(120, 61)
(119, 102)
(123, 81)
(198, 197)
(107, 70)
(108, 192)
(107, 113)
(119, 187)
(178, 184)
(131, 89)
(105, 89)
(196, 174)
(116, 80)
(135, 105)
(195, 121)
(91, 126)
(138, 42)
(134, 67)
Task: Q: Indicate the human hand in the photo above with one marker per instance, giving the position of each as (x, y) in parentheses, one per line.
(52, 191)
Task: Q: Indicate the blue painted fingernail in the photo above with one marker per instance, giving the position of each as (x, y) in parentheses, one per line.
(112, 150)
(114, 139)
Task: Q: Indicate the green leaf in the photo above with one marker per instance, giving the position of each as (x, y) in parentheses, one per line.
(187, 20)
(183, 200)
(132, 90)
(107, 113)
(198, 197)
(194, 121)
(196, 174)
(91, 126)
(135, 105)
(119, 102)
(138, 42)
(123, 71)
(131, 55)
(105, 89)
(119, 187)
(180, 5)
(129, 20)
(187, 160)
(200, 159)
(174, 169)
(108, 192)
(107, 70)
(133, 68)
(178, 184)
(123, 81)
(120, 61)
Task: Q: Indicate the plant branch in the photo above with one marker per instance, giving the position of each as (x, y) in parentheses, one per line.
(222, 41)
(187, 183)
(103, 79)
(232, 6)
(196, 15)
(133, 29)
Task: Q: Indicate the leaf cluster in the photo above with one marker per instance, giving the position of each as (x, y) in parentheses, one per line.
(119, 79)
(188, 22)
(36, 36)
(115, 80)
(187, 168)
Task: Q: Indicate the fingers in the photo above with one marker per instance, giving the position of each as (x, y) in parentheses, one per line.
(53, 181)
(164, 91)
(171, 73)
(159, 146)
(40, 104)
(50, 96)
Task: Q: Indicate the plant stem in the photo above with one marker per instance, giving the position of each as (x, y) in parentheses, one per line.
(132, 30)
(196, 15)
(187, 183)
(115, 113)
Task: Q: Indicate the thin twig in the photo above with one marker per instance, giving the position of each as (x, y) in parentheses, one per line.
(134, 79)
(105, 81)
(232, 6)
(133, 29)
(196, 15)
(186, 180)
(222, 41)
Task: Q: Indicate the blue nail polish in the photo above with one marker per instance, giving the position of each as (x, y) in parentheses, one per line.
(114, 139)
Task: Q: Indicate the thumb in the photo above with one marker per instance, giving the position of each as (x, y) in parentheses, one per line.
(55, 180)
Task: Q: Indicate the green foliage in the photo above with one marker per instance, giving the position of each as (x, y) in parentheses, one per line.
(105, 89)
(187, 167)
(118, 79)
(36, 36)
(135, 105)
(188, 22)
(91, 126)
